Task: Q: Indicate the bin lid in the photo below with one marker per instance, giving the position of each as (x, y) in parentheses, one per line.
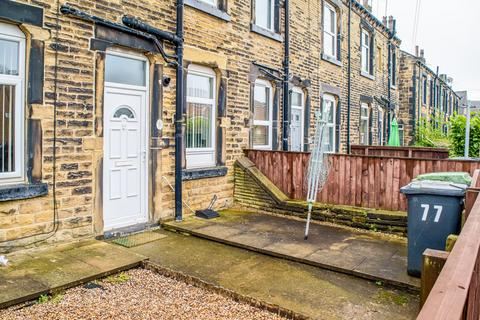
(439, 188)
(454, 177)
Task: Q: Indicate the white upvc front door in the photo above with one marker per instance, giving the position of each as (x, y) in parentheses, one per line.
(125, 155)
(296, 122)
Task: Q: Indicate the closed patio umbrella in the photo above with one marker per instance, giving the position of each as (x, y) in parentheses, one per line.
(394, 139)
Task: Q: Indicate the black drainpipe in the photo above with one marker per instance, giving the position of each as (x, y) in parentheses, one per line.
(179, 110)
(349, 73)
(286, 75)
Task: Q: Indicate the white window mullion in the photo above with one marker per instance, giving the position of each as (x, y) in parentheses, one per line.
(266, 99)
(12, 79)
(328, 112)
(265, 14)
(329, 30)
(201, 113)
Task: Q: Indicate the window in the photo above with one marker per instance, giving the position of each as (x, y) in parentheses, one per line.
(262, 115)
(120, 68)
(328, 115)
(329, 30)
(425, 90)
(393, 67)
(200, 121)
(12, 87)
(366, 45)
(364, 123)
(381, 126)
(432, 93)
(401, 134)
(296, 123)
(264, 14)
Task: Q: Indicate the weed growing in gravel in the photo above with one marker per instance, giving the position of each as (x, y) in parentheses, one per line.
(117, 278)
(43, 299)
(56, 298)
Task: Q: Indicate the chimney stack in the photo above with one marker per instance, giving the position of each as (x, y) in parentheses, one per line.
(390, 23)
(422, 55)
(384, 21)
(416, 51)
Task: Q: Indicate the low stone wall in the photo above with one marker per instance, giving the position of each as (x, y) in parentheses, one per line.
(254, 191)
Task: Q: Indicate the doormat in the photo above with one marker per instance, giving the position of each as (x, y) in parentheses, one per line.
(138, 239)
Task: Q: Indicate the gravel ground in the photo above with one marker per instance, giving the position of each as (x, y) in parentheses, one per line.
(137, 294)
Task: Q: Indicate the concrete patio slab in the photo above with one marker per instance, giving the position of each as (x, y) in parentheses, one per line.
(365, 254)
(304, 289)
(30, 274)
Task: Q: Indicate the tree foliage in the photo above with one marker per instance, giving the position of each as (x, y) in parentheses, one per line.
(430, 132)
(457, 135)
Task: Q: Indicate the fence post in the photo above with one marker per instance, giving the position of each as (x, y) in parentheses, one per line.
(472, 193)
(433, 262)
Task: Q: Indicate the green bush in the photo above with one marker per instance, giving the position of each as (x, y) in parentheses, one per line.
(457, 135)
(430, 133)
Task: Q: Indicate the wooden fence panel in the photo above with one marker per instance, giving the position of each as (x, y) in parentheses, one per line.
(356, 180)
(400, 152)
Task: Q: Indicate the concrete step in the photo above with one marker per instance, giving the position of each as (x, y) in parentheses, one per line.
(32, 273)
(363, 254)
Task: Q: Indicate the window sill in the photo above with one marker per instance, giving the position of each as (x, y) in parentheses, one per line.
(22, 191)
(208, 9)
(332, 60)
(367, 75)
(266, 33)
(394, 87)
(203, 173)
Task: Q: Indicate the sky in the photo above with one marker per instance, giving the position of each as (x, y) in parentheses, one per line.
(448, 32)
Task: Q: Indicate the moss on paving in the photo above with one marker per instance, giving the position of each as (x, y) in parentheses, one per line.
(305, 289)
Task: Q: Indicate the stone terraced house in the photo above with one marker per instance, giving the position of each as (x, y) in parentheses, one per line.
(425, 95)
(87, 108)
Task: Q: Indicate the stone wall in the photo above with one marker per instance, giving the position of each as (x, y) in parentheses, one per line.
(417, 104)
(73, 53)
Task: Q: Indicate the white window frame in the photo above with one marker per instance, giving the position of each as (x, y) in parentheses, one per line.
(268, 123)
(13, 33)
(272, 15)
(302, 109)
(381, 126)
(364, 105)
(401, 129)
(210, 2)
(326, 30)
(367, 68)
(203, 157)
(331, 98)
